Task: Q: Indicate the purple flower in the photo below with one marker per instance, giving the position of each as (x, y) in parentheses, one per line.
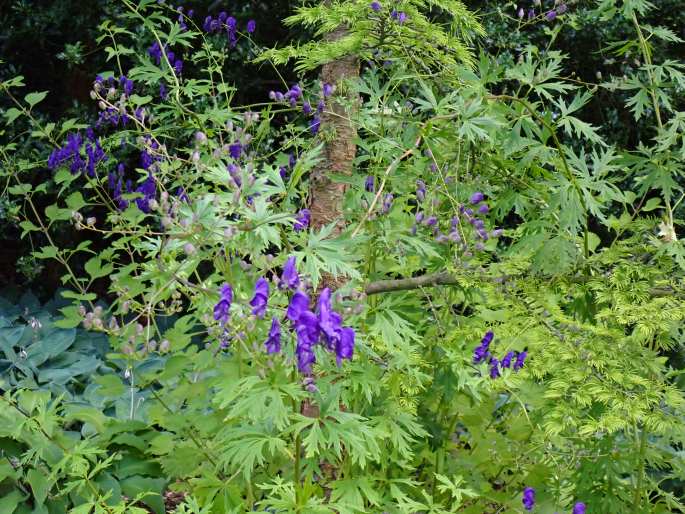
(484, 209)
(307, 108)
(481, 352)
(579, 508)
(273, 342)
(561, 9)
(148, 189)
(531, 14)
(290, 278)
(178, 66)
(551, 15)
(182, 195)
(327, 90)
(419, 217)
(528, 499)
(235, 150)
(344, 348)
(163, 93)
(155, 51)
(320, 106)
(431, 221)
(387, 203)
(506, 361)
(234, 172)
(299, 303)
(261, 297)
(520, 13)
(401, 17)
(222, 308)
(494, 368)
(520, 360)
(329, 320)
(314, 125)
(376, 6)
(370, 183)
(251, 26)
(420, 190)
(302, 220)
(476, 198)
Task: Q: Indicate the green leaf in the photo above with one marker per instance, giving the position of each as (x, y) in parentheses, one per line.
(39, 485)
(12, 114)
(9, 502)
(148, 489)
(35, 98)
(652, 204)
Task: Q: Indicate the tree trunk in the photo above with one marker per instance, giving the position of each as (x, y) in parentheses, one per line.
(326, 195)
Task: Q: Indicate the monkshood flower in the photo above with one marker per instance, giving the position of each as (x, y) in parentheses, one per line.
(182, 195)
(155, 51)
(290, 278)
(387, 203)
(370, 184)
(561, 9)
(314, 125)
(251, 26)
(506, 361)
(234, 172)
(376, 6)
(273, 342)
(302, 220)
(476, 198)
(344, 348)
(330, 322)
(299, 304)
(481, 352)
(261, 297)
(494, 367)
(400, 16)
(307, 108)
(222, 308)
(327, 90)
(149, 190)
(551, 15)
(235, 150)
(520, 360)
(579, 508)
(420, 190)
(528, 499)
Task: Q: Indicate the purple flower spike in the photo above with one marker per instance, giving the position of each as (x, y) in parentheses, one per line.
(261, 297)
(302, 220)
(579, 508)
(481, 352)
(222, 308)
(528, 499)
(273, 342)
(376, 6)
(299, 304)
(476, 198)
(290, 278)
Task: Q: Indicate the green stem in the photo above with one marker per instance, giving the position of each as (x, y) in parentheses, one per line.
(637, 499)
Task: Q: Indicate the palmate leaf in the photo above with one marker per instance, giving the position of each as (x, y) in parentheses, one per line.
(245, 448)
(323, 255)
(355, 493)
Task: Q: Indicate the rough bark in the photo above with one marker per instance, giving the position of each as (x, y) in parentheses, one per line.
(326, 195)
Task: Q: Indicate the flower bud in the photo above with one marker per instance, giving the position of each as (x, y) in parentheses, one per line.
(189, 249)
(164, 346)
